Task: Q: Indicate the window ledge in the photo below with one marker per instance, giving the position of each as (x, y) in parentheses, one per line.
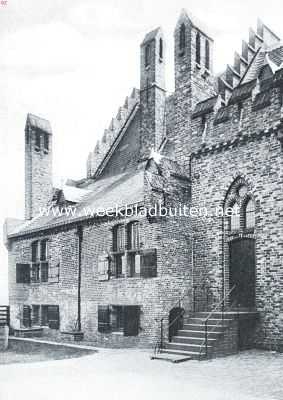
(118, 333)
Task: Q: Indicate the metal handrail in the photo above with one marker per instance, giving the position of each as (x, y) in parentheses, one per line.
(205, 321)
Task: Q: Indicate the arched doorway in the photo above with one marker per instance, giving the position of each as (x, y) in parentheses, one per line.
(240, 244)
(242, 273)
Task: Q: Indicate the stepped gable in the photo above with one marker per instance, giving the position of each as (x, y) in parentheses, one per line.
(247, 61)
(111, 133)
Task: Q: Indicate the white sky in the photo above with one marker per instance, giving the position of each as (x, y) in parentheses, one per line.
(75, 61)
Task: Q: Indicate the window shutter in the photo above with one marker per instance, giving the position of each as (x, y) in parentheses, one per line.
(26, 316)
(149, 263)
(34, 251)
(131, 320)
(103, 268)
(22, 273)
(53, 317)
(44, 272)
(124, 265)
(137, 264)
(103, 319)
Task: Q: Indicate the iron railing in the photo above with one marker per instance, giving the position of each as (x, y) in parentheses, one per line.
(200, 296)
(220, 307)
(4, 315)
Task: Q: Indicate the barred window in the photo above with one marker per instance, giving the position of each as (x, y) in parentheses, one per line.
(250, 215)
(117, 318)
(198, 48)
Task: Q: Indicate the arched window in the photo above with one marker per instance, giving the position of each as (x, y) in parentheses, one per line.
(182, 38)
(207, 54)
(250, 215)
(234, 220)
(198, 48)
(160, 49)
(147, 55)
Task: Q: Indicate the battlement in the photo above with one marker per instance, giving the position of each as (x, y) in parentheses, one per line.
(111, 133)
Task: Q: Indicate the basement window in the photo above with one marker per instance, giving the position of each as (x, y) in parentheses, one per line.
(118, 318)
(50, 316)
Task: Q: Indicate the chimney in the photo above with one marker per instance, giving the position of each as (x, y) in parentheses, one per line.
(38, 165)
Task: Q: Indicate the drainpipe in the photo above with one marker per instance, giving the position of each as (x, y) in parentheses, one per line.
(80, 239)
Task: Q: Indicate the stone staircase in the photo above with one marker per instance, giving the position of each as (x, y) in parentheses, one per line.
(189, 342)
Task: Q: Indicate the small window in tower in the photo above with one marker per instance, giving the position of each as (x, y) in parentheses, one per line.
(182, 38)
(46, 142)
(147, 55)
(198, 48)
(37, 141)
(160, 49)
(207, 54)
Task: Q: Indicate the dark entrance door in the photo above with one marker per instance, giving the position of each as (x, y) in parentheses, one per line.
(242, 273)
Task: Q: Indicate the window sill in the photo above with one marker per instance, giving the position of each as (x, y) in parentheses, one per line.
(117, 333)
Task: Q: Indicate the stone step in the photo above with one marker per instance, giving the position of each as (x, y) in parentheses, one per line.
(171, 357)
(192, 340)
(211, 321)
(194, 355)
(216, 314)
(201, 327)
(184, 347)
(192, 333)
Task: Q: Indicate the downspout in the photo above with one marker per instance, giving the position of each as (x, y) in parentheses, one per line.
(80, 239)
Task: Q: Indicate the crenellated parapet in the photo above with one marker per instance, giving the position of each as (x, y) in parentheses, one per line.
(110, 134)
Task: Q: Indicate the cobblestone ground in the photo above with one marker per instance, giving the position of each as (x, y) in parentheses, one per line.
(130, 374)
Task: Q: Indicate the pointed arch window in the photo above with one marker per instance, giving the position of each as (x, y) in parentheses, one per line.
(160, 49)
(198, 48)
(207, 54)
(249, 214)
(234, 220)
(182, 38)
(147, 55)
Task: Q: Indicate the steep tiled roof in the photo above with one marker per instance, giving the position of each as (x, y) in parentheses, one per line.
(115, 191)
(39, 123)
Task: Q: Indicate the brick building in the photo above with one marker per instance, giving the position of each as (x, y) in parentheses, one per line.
(214, 144)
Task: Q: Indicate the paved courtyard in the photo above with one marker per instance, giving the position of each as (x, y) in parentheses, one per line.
(130, 374)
